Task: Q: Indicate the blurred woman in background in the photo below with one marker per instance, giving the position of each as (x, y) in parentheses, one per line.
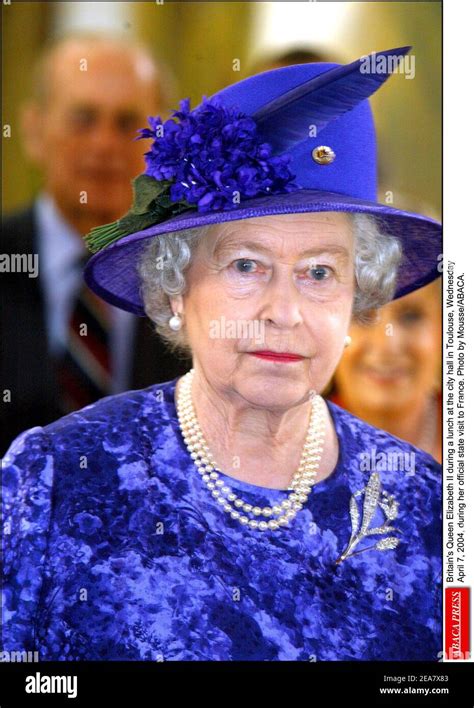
(390, 374)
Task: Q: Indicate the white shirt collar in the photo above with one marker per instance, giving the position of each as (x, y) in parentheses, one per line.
(60, 244)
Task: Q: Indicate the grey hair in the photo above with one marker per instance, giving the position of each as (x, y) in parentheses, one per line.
(164, 81)
(165, 259)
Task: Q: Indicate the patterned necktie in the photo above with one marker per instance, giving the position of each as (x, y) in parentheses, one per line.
(85, 369)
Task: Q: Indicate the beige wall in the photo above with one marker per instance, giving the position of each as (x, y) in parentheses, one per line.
(25, 27)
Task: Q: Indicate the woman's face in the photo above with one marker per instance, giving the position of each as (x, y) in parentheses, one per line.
(396, 360)
(279, 283)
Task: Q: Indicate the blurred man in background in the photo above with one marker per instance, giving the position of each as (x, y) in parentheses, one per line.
(292, 55)
(63, 348)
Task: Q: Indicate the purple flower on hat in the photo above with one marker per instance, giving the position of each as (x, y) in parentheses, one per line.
(213, 157)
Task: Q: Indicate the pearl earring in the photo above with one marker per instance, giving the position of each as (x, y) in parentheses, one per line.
(175, 322)
(347, 340)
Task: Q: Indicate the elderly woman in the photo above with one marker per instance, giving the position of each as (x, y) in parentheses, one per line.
(232, 513)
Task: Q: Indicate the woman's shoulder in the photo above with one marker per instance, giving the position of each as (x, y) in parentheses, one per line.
(112, 416)
(94, 453)
(373, 449)
(119, 411)
(96, 438)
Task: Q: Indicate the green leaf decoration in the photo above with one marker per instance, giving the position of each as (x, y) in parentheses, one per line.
(151, 205)
(145, 190)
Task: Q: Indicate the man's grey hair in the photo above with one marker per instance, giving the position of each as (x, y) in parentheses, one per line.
(165, 258)
(40, 80)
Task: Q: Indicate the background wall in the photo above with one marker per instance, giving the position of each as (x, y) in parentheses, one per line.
(203, 42)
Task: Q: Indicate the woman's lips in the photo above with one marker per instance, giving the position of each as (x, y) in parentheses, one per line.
(385, 376)
(274, 356)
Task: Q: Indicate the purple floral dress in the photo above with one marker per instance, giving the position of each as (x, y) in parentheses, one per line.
(114, 549)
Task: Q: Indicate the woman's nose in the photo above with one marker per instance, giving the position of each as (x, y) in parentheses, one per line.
(282, 302)
(384, 337)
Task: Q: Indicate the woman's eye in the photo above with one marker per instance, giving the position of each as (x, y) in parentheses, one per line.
(320, 273)
(245, 265)
(410, 317)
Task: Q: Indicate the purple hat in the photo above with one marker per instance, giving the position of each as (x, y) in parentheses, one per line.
(296, 139)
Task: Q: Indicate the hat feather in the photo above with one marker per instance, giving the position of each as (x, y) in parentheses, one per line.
(285, 121)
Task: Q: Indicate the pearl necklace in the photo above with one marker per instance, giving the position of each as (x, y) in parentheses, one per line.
(301, 483)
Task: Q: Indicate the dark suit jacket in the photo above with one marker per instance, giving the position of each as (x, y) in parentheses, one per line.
(27, 369)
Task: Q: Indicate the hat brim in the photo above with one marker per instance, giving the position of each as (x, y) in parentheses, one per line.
(112, 272)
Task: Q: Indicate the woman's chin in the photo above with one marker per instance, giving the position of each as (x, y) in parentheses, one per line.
(266, 391)
(387, 399)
